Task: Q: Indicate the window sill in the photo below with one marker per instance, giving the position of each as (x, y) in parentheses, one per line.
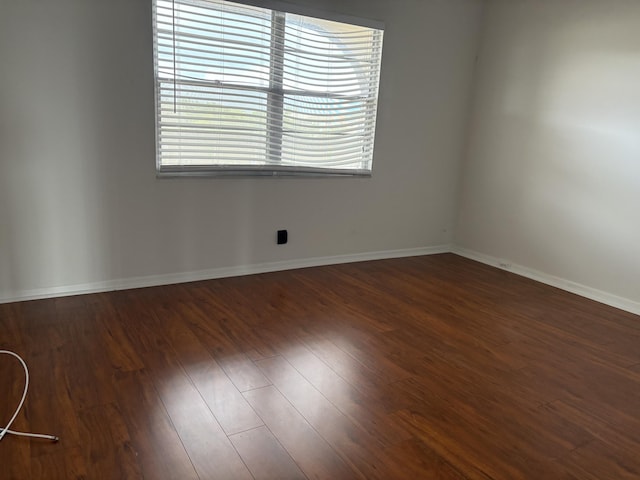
(267, 172)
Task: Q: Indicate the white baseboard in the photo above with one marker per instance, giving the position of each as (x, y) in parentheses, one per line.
(209, 274)
(573, 287)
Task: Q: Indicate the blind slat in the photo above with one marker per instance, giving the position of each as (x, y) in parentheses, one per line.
(216, 89)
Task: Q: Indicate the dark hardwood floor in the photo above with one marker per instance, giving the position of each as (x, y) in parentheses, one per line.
(421, 368)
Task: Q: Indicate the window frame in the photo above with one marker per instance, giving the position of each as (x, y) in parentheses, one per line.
(270, 166)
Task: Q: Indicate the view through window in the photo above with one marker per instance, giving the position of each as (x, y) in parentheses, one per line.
(248, 90)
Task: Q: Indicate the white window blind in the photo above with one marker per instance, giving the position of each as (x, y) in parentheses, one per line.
(248, 90)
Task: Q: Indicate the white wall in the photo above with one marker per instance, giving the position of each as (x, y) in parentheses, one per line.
(79, 200)
(551, 179)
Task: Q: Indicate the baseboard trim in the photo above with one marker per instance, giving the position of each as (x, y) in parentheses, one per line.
(210, 274)
(235, 271)
(561, 283)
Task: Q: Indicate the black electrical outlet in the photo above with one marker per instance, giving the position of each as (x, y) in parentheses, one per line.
(282, 237)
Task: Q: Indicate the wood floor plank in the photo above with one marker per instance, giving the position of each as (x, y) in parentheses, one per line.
(154, 440)
(420, 461)
(598, 460)
(225, 401)
(119, 348)
(85, 362)
(361, 410)
(11, 338)
(50, 407)
(478, 452)
(362, 347)
(243, 372)
(204, 440)
(264, 456)
(64, 463)
(623, 436)
(139, 323)
(363, 378)
(310, 451)
(350, 301)
(106, 446)
(236, 306)
(236, 364)
(362, 452)
(206, 325)
(223, 398)
(428, 367)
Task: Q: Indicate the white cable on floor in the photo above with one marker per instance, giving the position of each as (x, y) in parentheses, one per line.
(6, 430)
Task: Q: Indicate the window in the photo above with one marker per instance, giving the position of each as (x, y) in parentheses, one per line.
(248, 90)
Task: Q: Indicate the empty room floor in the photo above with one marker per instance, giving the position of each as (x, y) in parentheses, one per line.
(433, 367)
